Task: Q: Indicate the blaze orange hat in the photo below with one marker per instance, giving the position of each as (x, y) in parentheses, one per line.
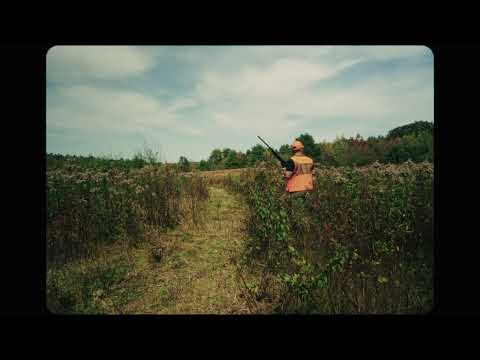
(297, 145)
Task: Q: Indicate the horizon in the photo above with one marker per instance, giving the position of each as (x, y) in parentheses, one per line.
(188, 100)
(118, 156)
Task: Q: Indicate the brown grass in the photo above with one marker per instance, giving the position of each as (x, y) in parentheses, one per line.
(218, 173)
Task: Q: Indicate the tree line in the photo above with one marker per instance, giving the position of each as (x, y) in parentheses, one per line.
(139, 160)
(409, 142)
(413, 142)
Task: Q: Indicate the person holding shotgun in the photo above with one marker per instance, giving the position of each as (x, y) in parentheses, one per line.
(299, 169)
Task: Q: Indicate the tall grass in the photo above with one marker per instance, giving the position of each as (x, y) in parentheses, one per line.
(362, 242)
(94, 217)
(88, 209)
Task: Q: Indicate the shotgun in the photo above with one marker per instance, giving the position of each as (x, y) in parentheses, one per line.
(283, 162)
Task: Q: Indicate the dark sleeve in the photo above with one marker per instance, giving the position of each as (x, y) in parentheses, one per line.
(290, 165)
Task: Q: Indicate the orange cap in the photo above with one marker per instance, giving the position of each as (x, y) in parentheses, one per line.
(297, 145)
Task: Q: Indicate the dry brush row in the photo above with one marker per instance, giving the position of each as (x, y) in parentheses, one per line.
(89, 209)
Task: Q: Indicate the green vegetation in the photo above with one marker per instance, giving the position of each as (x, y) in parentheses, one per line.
(98, 285)
(102, 163)
(139, 236)
(184, 165)
(89, 211)
(194, 274)
(415, 128)
(362, 242)
(197, 274)
(410, 142)
(59, 161)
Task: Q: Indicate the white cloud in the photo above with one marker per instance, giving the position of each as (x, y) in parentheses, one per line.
(182, 103)
(283, 78)
(69, 63)
(189, 130)
(87, 107)
(235, 58)
(260, 98)
(394, 52)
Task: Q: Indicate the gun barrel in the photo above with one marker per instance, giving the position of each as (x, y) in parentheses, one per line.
(263, 141)
(273, 152)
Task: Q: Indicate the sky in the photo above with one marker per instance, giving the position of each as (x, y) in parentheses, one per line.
(188, 100)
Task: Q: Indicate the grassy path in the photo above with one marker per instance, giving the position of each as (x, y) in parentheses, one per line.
(196, 274)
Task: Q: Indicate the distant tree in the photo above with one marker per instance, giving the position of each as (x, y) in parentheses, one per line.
(203, 165)
(255, 154)
(327, 157)
(232, 161)
(379, 147)
(427, 139)
(138, 161)
(150, 156)
(184, 165)
(226, 152)
(416, 127)
(397, 154)
(359, 152)
(242, 159)
(414, 147)
(285, 151)
(215, 159)
(339, 151)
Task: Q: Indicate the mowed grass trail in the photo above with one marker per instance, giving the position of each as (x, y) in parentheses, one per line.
(196, 273)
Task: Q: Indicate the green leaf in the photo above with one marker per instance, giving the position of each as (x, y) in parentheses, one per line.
(382, 279)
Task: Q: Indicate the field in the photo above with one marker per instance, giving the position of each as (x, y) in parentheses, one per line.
(156, 241)
(219, 173)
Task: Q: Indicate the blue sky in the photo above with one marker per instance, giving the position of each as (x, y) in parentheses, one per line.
(188, 100)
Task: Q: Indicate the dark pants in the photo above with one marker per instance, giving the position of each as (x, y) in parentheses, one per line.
(299, 195)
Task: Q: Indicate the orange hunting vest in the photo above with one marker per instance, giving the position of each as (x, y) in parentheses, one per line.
(302, 179)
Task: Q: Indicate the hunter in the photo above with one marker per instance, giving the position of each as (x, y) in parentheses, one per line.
(299, 171)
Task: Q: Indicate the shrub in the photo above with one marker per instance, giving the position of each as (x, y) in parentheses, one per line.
(362, 242)
(89, 209)
(82, 287)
